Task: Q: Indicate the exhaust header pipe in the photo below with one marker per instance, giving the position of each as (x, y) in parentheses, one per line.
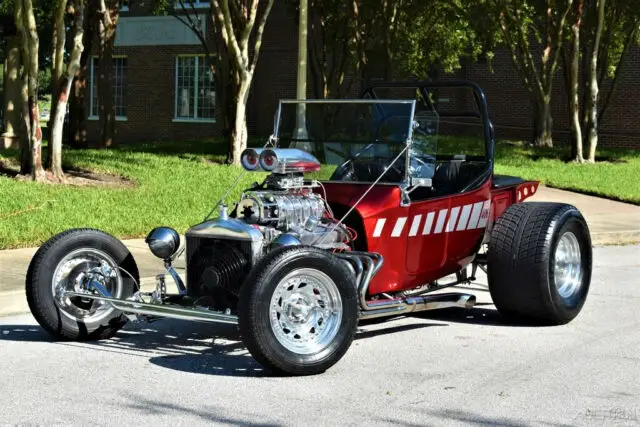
(366, 265)
(396, 307)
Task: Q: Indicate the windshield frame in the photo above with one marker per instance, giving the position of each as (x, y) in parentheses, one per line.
(406, 152)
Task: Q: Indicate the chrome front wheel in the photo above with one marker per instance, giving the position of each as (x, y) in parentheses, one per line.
(306, 310)
(75, 272)
(84, 261)
(298, 310)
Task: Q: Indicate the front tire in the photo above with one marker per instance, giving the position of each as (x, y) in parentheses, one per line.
(540, 262)
(298, 311)
(58, 266)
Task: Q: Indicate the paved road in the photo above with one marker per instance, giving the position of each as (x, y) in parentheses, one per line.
(455, 367)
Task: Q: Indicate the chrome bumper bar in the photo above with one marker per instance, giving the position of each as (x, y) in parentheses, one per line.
(163, 310)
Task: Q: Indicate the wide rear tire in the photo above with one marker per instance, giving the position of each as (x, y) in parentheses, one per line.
(54, 267)
(298, 311)
(540, 262)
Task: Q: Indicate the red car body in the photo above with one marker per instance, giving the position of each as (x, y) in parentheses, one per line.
(429, 239)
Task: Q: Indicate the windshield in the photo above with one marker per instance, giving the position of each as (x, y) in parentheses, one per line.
(359, 138)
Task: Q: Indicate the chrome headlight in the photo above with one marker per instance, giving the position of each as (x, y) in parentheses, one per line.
(163, 242)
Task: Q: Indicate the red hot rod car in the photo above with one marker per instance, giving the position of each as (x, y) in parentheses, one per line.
(299, 260)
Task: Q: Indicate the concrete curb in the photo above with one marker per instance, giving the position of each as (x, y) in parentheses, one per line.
(614, 238)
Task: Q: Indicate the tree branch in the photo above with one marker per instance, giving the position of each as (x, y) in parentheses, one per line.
(259, 32)
(223, 16)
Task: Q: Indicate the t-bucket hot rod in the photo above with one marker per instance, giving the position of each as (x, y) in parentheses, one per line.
(298, 261)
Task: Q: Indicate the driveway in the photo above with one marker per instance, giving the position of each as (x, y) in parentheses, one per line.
(451, 367)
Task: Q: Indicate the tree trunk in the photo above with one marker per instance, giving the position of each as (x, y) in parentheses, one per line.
(574, 84)
(77, 104)
(25, 141)
(592, 107)
(236, 28)
(13, 105)
(56, 131)
(225, 83)
(57, 65)
(108, 25)
(543, 124)
(65, 89)
(105, 94)
(26, 23)
(239, 135)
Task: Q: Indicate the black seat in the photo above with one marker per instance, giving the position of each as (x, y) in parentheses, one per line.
(501, 181)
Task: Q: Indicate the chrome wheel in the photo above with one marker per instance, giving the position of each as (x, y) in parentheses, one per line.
(305, 311)
(71, 275)
(568, 266)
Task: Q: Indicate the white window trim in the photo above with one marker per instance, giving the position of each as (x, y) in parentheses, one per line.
(118, 118)
(196, 5)
(91, 77)
(176, 118)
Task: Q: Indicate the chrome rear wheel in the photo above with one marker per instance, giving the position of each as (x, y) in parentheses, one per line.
(568, 266)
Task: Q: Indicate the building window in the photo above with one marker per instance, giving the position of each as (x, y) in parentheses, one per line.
(195, 89)
(118, 77)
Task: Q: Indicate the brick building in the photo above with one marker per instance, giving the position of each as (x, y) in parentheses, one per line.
(163, 85)
(164, 89)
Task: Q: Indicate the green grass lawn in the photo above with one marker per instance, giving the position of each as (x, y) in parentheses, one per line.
(177, 184)
(171, 189)
(615, 175)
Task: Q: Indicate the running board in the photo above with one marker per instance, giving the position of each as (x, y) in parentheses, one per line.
(397, 307)
(163, 310)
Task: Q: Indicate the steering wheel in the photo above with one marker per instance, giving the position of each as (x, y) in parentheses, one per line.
(342, 169)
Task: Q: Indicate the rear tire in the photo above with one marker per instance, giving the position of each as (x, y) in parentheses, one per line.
(54, 266)
(298, 311)
(540, 262)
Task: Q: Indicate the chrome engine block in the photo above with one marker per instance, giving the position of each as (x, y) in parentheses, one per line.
(281, 210)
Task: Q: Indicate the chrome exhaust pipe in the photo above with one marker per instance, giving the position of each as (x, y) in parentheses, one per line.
(403, 306)
(162, 310)
(367, 264)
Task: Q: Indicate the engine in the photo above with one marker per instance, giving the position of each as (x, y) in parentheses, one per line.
(282, 211)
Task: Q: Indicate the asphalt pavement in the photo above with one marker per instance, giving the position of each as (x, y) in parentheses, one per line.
(452, 367)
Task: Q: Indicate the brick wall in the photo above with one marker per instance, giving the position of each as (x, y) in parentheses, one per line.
(150, 91)
(510, 108)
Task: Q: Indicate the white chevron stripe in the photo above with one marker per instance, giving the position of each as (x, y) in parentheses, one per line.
(415, 225)
(468, 217)
(475, 216)
(440, 224)
(452, 219)
(397, 229)
(464, 218)
(377, 232)
(428, 223)
(484, 217)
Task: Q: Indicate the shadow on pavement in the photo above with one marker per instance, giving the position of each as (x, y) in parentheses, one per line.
(478, 315)
(454, 416)
(364, 334)
(185, 346)
(212, 414)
